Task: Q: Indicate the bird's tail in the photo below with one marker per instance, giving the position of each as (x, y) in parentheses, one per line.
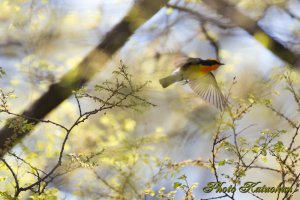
(165, 82)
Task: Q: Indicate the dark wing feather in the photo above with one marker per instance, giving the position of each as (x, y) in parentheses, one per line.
(207, 88)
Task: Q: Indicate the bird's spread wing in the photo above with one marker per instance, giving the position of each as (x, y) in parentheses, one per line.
(208, 89)
(180, 61)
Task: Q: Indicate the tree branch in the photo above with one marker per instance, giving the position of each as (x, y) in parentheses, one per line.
(78, 76)
(251, 26)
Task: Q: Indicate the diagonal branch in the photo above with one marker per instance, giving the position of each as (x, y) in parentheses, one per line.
(224, 8)
(78, 76)
(238, 19)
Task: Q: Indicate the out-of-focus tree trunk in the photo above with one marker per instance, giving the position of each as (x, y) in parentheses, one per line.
(238, 18)
(77, 77)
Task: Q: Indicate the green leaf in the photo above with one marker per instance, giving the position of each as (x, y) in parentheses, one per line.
(255, 149)
(279, 147)
(2, 72)
(264, 158)
(6, 196)
(194, 186)
(263, 152)
(183, 177)
(176, 185)
(222, 163)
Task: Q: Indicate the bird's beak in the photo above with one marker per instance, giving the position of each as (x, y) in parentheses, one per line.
(222, 64)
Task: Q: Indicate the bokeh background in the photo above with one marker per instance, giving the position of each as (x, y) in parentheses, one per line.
(41, 40)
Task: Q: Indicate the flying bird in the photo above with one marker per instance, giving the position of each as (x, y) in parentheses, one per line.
(198, 74)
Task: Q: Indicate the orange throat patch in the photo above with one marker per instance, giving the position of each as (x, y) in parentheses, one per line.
(207, 69)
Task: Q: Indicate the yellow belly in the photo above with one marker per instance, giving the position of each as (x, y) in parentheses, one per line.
(193, 72)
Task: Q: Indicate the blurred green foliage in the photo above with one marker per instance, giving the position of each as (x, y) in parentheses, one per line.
(137, 140)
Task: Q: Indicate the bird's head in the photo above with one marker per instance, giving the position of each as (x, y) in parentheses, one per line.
(212, 62)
